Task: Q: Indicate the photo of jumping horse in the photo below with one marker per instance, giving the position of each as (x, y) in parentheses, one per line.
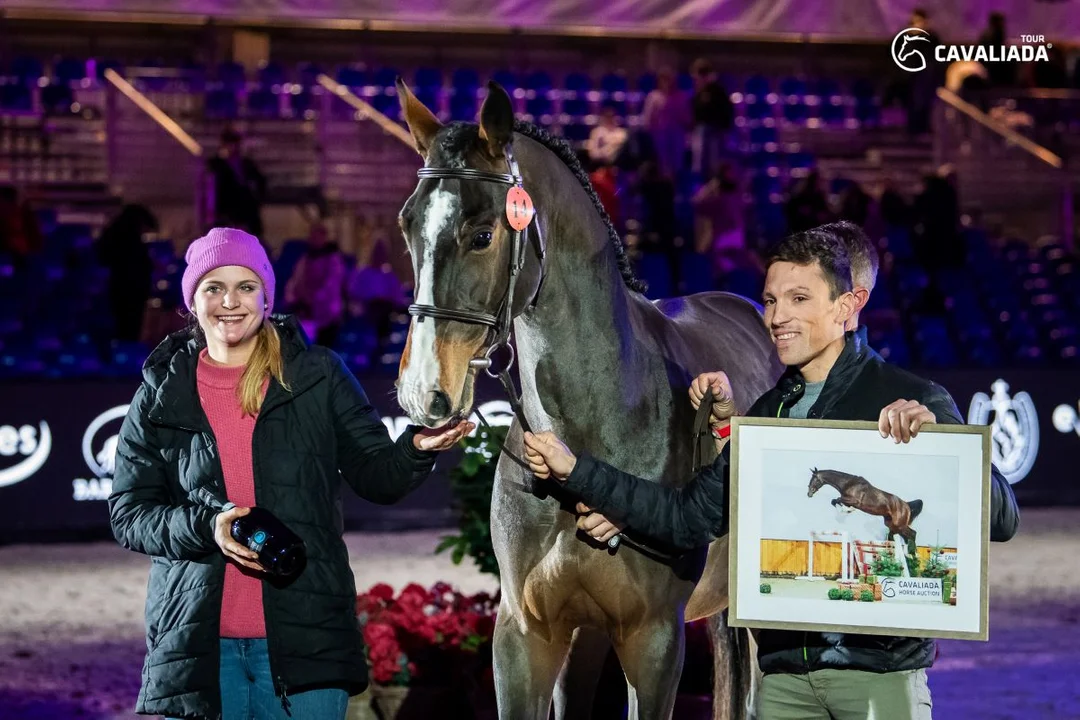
(508, 240)
(858, 493)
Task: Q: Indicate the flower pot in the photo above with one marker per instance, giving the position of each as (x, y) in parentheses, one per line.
(877, 592)
(361, 707)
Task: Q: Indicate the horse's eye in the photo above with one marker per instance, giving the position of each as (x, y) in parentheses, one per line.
(480, 240)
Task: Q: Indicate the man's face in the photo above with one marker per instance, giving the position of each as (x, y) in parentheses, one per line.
(802, 318)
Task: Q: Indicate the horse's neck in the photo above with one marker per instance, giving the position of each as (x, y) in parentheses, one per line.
(579, 361)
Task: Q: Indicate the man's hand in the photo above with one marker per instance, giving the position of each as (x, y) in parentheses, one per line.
(233, 550)
(903, 419)
(438, 439)
(596, 525)
(723, 407)
(548, 456)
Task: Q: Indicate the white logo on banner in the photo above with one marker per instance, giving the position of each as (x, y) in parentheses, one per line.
(1015, 432)
(905, 49)
(1066, 420)
(100, 456)
(908, 47)
(34, 444)
(902, 589)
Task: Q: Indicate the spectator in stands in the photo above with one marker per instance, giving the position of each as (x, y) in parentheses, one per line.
(1001, 74)
(20, 232)
(1053, 74)
(122, 250)
(666, 116)
(854, 204)
(714, 116)
(659, 222)
(937, 239)
(807, 207)
(924, 84)
(605, 180)
(238, 186)
(607, 140)
(893, 208)
(720, 230)
(375, 292)
(315, 292)
(243, 411)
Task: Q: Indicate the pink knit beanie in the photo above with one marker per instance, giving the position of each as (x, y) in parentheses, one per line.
(226, 246)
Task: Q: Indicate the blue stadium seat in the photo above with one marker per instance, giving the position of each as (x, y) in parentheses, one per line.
(271, 74)
(508, 79)
(353, 76)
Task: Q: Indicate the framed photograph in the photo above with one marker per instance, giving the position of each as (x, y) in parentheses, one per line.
(836, 529)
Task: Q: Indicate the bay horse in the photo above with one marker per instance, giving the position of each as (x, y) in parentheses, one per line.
(858, 493)
(599, 364)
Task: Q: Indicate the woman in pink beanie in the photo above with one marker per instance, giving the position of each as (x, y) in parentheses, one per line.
(242, 412)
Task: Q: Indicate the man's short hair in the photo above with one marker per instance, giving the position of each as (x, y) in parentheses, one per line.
(821, 247)
(862, 255)
(921, 13)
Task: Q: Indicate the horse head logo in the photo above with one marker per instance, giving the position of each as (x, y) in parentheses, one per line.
(905, 52)
(1014, 431)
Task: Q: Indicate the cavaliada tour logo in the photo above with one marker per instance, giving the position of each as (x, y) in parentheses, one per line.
(913, 48)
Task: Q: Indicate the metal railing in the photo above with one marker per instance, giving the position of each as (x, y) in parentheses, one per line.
(1008, 178)
(125, 163)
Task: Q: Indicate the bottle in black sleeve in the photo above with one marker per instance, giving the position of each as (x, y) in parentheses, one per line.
(281, 551)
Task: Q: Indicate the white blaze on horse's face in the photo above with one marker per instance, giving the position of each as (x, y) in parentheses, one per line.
(419, 391)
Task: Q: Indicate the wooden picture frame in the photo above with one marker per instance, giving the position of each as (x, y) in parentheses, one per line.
(811, 503)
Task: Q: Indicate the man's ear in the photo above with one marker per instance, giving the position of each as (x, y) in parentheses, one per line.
(847, 305)
(862, 296)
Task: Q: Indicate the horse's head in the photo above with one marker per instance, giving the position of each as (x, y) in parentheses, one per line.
(816, 481)
(460, 240)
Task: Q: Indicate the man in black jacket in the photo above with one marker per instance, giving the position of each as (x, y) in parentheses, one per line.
(832, 374)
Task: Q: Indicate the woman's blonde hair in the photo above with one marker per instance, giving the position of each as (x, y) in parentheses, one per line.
(265, 361)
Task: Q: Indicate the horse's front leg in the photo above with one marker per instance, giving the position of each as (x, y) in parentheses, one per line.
(525, 668)
(651, 655)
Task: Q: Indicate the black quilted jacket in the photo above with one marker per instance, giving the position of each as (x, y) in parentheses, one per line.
(168, 487)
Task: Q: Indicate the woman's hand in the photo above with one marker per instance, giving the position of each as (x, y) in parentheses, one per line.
(233, 550)
(438, 439)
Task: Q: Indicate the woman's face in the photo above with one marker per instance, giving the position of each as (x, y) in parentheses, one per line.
(230, 304)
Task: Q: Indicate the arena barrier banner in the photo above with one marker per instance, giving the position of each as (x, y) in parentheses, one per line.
(870, 20)
(58, 443)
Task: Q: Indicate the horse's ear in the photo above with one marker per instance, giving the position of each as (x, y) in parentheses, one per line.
(422, 122)
(496, 120)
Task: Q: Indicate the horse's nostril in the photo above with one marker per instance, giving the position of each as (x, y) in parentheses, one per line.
(438, 404)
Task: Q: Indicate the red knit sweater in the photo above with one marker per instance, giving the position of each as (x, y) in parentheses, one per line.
(242, 605)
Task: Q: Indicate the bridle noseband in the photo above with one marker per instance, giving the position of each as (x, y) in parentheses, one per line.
(520, 213)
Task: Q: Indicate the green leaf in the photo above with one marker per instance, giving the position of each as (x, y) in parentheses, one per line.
(448, 542)
(459, 554)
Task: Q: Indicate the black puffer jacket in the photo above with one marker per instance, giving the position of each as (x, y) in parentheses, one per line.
(168, 487)
(859, 385)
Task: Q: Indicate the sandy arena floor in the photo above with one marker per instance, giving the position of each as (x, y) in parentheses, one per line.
(71, 643)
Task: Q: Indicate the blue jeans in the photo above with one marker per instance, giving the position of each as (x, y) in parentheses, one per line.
(247, 689)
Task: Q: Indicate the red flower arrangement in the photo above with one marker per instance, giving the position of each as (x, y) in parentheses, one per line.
(425, 636)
